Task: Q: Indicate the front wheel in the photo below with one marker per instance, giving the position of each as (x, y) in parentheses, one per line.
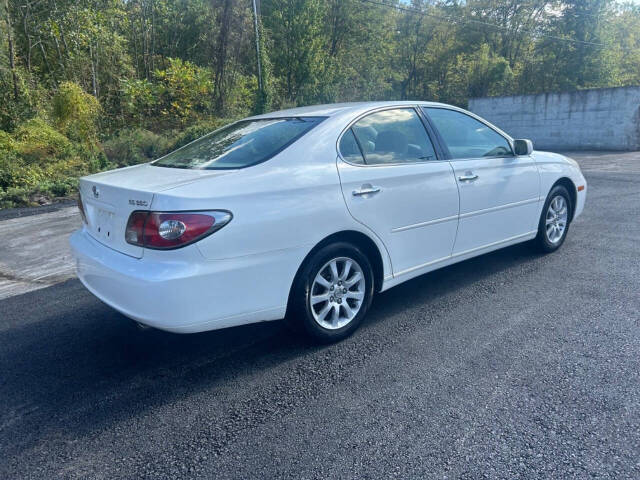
(554, 221)
(332, 292)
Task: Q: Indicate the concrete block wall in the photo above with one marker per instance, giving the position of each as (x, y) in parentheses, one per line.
(595, 119)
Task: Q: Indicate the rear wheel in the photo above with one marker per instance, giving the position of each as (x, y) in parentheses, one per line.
(554, 220)
(332, 292)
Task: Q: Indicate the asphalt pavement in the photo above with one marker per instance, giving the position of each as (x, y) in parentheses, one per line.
(509, 365)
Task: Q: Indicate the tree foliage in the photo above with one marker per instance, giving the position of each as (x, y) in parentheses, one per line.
(122, 81)
(75, 112)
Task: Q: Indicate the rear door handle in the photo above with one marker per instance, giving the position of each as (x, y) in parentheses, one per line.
(467, 177)
(365, 190)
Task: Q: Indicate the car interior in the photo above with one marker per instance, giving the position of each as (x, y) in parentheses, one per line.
(390, 145)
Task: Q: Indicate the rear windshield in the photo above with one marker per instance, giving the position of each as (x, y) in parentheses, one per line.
(240, 144)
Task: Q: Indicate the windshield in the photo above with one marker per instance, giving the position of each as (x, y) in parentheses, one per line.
(240, 144)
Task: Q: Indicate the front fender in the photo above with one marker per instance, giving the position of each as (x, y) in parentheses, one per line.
(554, 167)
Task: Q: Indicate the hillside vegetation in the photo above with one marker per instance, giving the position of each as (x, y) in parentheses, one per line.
(88, 85)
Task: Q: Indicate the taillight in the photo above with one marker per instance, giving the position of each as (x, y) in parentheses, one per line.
(165, 230)
(135, 228)
(81, 208)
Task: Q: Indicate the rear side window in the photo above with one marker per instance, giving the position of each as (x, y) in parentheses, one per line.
(240, 144)
(349, 148)
(466, 137)
(393, 136)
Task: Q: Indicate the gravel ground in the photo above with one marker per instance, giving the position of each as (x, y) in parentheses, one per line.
(509, 365)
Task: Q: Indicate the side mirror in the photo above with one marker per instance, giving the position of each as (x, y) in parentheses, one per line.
(523, 146)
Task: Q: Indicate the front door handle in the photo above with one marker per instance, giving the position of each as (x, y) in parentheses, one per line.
(467, 177)
(366, 190)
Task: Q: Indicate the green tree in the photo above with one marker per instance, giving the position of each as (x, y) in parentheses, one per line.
(75, 113)
(138, 76)
(297, 54)
(185, 90)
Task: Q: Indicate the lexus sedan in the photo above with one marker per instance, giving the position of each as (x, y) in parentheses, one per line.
(305, 213)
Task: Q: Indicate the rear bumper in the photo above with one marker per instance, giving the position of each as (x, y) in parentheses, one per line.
(183, 292)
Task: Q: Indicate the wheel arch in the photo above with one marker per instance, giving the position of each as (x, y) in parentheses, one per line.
(567, 183)
(360, 240)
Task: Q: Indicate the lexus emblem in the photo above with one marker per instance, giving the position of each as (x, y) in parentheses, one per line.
(96, 192)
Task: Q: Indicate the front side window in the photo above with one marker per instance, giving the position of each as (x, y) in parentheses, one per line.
(240, 144)
(393, 136)
(466, 137)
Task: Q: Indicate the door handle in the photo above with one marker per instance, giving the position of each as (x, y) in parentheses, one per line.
(365, 190)
(467, 177)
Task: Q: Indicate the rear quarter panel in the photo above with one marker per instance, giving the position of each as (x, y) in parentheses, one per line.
(287, 204)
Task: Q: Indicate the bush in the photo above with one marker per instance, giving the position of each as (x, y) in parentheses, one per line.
(38, 143)
(134, 146)
(38, 195)
(7, 144)
(195, 131)
(139, 99)
(14, 196)
(38, 163)
(242, 96)
(185, 91)
(75, 112)
(175, 96)
(14, 172)
(62, 187)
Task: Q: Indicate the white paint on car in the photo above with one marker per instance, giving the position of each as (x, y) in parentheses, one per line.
(420, 214)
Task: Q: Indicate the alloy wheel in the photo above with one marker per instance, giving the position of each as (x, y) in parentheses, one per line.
(556, 219)
(337, 293)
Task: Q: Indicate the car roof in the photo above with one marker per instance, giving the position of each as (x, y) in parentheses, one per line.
(334, 109)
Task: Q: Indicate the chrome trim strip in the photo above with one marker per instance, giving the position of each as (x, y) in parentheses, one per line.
(415, 107)
(506, 240)
(499, 207)
(375, 165)
(424, 224)
(464, 215)
(418, 267)
(425, 105)
(502, 133)
(466, 252)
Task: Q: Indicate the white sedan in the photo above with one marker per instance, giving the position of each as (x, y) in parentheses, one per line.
(305, 213)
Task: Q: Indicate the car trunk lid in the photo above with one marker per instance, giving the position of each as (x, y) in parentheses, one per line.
(110, 197)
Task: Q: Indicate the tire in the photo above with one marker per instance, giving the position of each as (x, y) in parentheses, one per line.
(557, 210)
(349, 295)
